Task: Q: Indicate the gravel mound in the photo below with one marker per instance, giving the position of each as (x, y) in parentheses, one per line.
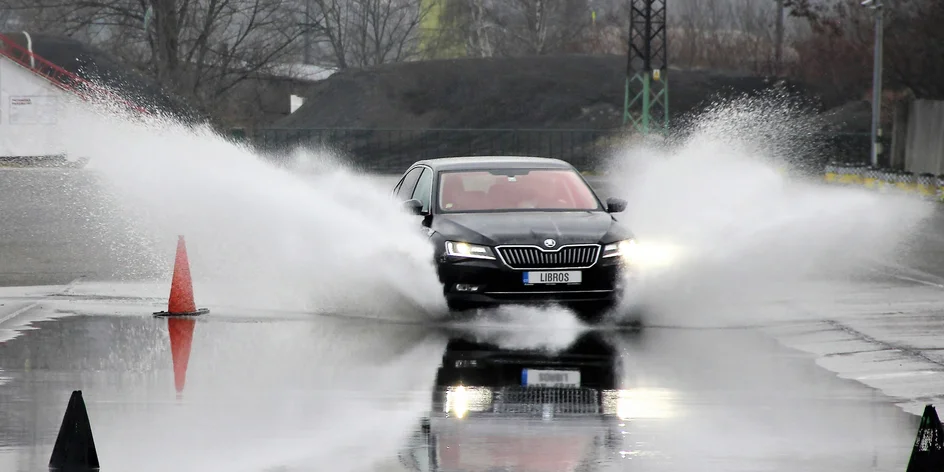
(565, 106)
(542, 92)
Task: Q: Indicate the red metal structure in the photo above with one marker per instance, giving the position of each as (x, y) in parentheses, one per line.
(56, 75)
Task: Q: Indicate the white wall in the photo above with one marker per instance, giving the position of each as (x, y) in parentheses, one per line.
(29, 117)
(924, 143)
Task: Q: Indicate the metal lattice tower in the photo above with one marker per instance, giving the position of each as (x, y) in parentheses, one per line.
(646, 101)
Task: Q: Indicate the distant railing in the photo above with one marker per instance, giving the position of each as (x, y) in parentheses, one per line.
(392, 150)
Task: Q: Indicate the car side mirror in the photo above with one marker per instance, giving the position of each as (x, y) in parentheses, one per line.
(615, 205)
(413, 206)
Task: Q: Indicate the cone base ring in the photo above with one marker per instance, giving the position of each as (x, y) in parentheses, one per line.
(200, 311)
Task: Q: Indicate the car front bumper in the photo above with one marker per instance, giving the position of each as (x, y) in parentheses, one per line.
(496, 284)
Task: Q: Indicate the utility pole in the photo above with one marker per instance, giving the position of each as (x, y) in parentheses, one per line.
(778, 52)
(878, 8)
(306, 36)
(646, 97)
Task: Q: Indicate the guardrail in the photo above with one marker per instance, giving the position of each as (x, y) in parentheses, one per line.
(893, 181)
(391, 150)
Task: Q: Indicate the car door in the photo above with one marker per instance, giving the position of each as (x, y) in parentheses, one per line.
(423, 192)
(404, 190)
(424, 188)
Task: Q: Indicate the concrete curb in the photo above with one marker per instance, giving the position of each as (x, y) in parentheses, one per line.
(50, 162)
(887, 181)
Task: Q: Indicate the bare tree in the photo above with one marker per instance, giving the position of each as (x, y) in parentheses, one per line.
(521, 27)
(839, 53)
(468, 23)
(541, 26)
(363, 33)
(915, 39)
(8, 19)
(694, 33)
(481, 32)
(729, 34)
(328, 24)
(200, 49)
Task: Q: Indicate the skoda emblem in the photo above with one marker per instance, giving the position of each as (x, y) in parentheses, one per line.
(550, 243)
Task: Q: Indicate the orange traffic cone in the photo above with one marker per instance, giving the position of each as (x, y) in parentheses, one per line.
(181, 338)
(181, 288)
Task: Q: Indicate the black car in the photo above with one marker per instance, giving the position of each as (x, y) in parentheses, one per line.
(575, 380)
(514, 408)
(519, 230)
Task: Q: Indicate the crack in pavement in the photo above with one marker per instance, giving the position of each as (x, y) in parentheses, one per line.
(908, 350)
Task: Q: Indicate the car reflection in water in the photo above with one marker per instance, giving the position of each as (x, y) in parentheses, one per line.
(522, 410)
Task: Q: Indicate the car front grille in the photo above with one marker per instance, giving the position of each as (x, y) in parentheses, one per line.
(533, 257)
(537, 401)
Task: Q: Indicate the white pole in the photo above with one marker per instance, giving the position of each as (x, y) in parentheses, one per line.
(778, 51)
(877, 84)
(29, 47)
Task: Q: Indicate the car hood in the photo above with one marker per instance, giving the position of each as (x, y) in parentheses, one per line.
(530, 227)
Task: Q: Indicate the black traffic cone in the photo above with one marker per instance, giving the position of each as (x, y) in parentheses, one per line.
(75, 448)
(928, 451)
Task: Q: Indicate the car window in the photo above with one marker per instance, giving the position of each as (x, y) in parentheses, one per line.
(423, 187)
(409, 182)
(515, 189)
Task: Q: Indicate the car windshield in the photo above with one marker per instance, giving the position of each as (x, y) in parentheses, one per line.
(514, 189)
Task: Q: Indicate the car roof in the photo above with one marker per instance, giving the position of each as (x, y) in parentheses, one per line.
(493, 162)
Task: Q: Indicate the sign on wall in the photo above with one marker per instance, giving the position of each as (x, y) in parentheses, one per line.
(33, 110)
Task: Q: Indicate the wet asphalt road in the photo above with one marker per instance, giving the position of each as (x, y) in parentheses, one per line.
(57, 226)
(324, 393)
(269, 392)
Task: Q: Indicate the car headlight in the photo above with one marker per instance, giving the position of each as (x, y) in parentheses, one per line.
(460, 249)
(649, 255)
(462, 400)
(628, 249)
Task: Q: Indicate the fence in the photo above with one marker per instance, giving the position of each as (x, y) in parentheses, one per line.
(392, 150)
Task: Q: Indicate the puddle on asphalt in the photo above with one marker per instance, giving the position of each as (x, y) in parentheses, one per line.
(523, 409)
(363, 395)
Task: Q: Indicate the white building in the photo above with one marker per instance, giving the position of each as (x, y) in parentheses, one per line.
(29, 102)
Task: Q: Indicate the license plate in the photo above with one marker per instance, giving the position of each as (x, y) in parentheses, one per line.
(550, 378)
(552, 277)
